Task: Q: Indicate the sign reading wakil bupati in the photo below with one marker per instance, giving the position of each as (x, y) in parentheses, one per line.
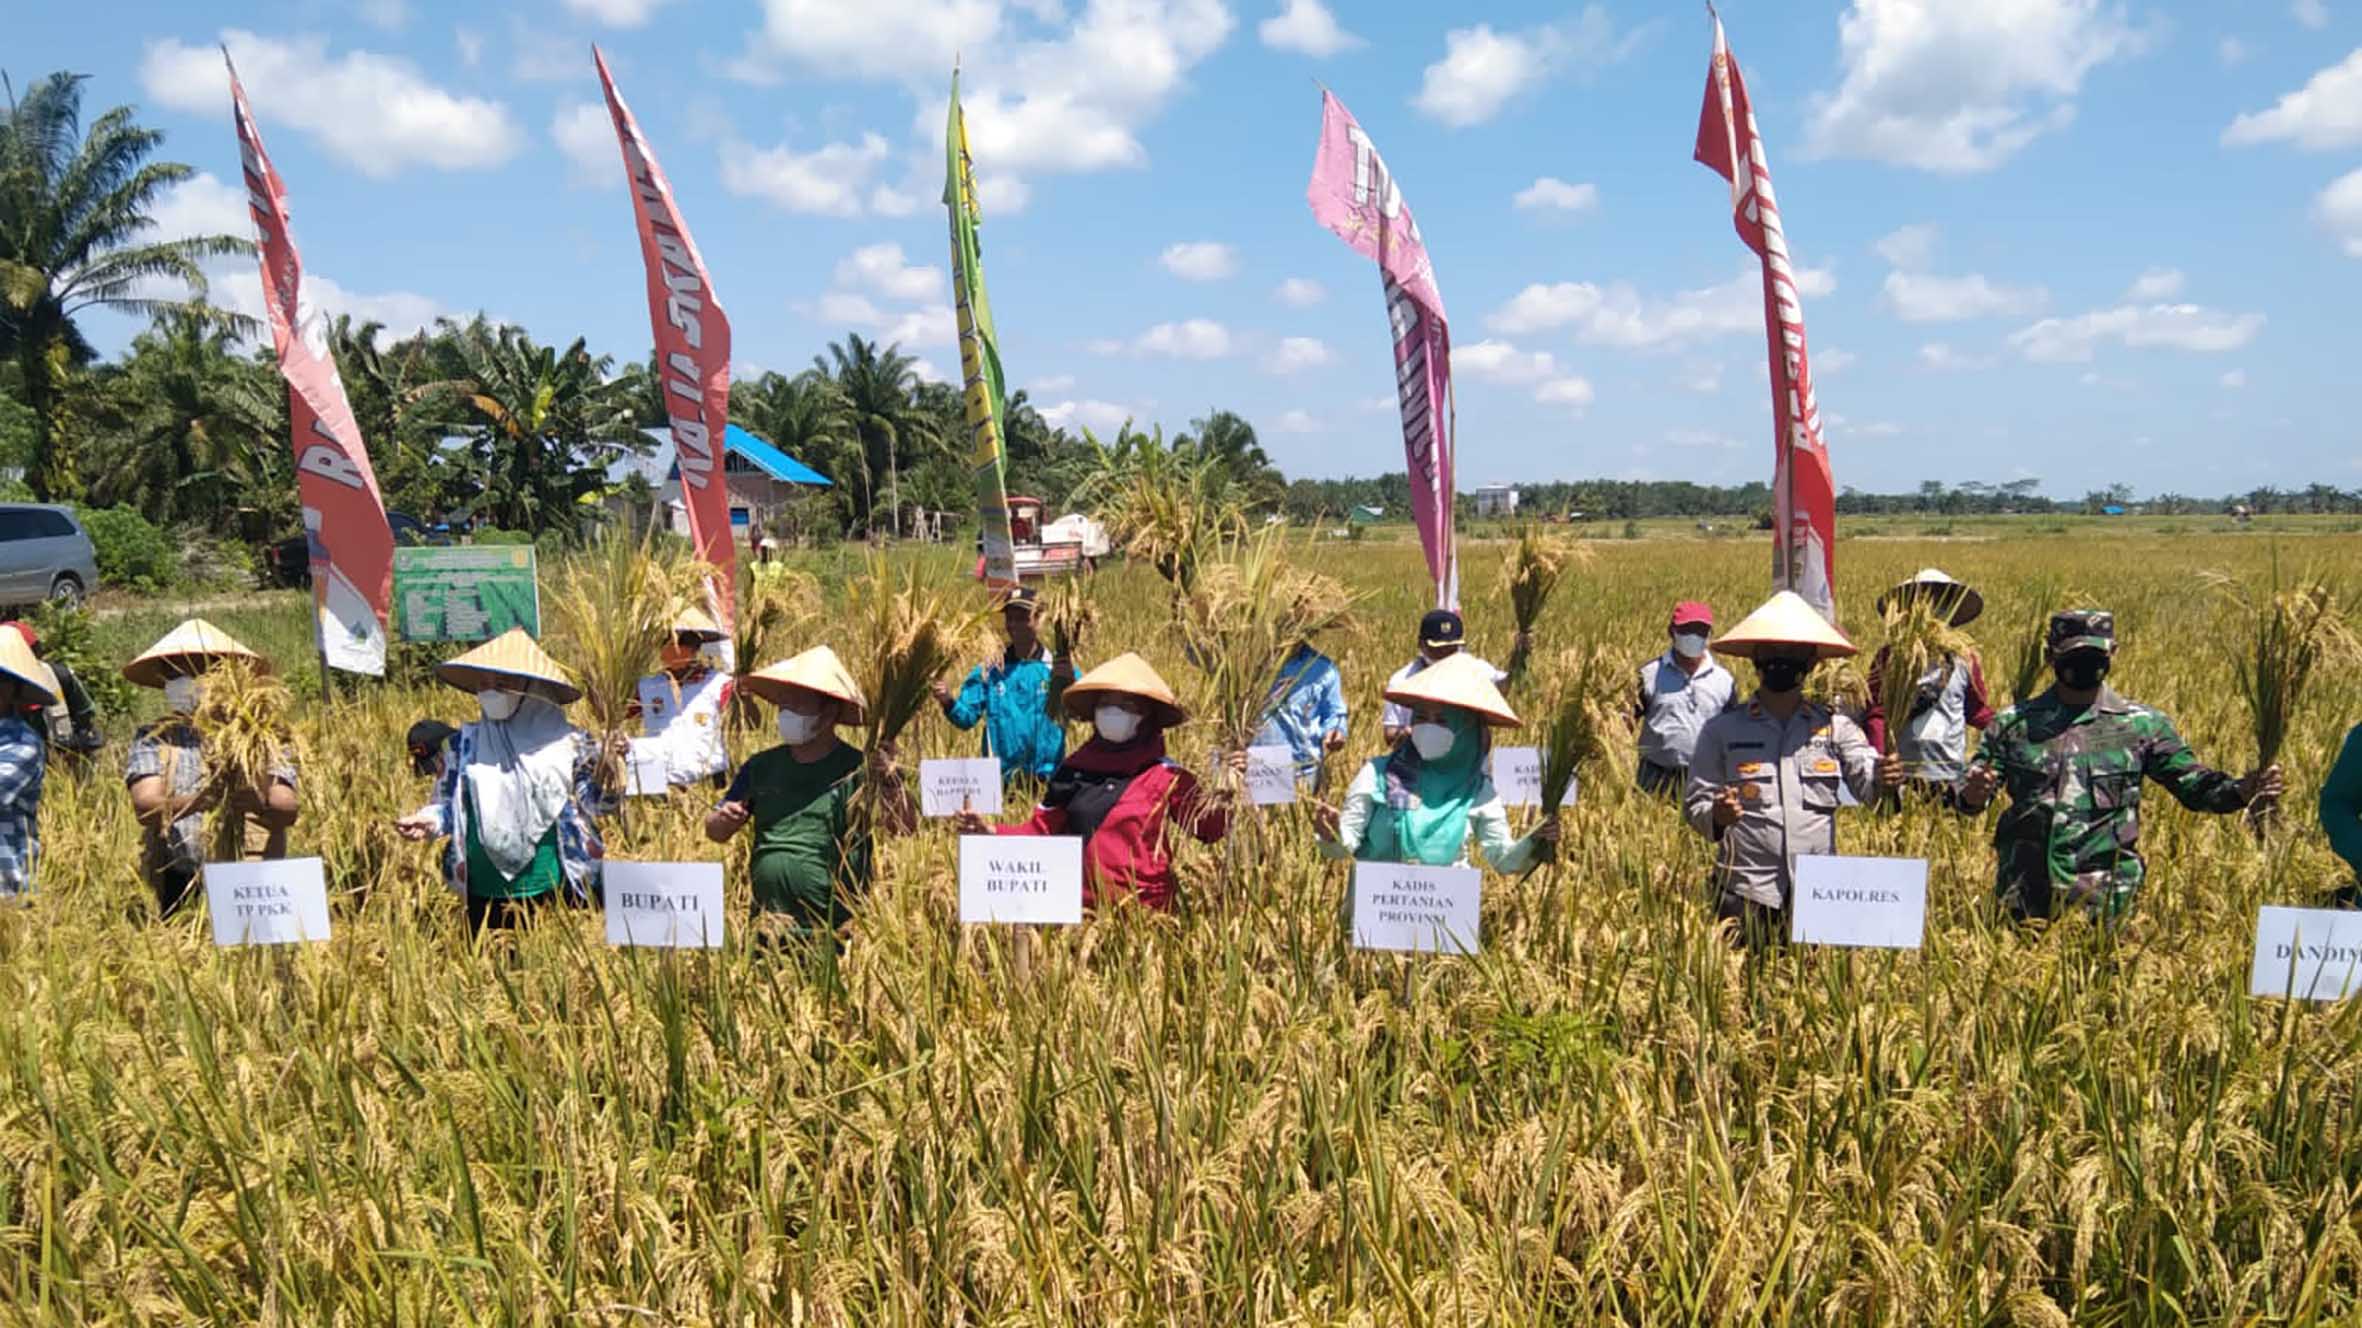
(267, 903)
(1271, 776)
(953, 785)
(2313, 953)
(1878, 903)
(664, 905)
(1021, 879)
(465, 593)
(1435, 910)
(1517, 777)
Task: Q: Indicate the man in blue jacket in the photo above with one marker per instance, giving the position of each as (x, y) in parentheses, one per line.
(1012, 696)
(1306, 713)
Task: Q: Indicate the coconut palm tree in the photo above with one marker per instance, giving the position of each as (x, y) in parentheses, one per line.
(74, 207)
(1227, 442)
(545, 424)
(880, 386)
(806, 417)
(195, 421)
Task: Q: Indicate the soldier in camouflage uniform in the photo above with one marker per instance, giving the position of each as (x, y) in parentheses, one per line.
(2073, 759)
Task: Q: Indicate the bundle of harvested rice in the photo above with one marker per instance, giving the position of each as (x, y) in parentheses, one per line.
(1920, 640)
(1243, 615)
(2278, 646)
(1069, 611)
(243, 733)
(1582, 717)
(614, 610)
(1536, 562)
(909, 636)
(773, 611)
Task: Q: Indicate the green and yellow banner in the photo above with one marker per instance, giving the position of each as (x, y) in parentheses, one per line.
(980, 352)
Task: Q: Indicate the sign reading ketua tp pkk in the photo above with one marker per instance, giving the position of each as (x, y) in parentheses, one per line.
(664, 905)
(951, 786)
(2312, 953)
(1435, 910)
(267, 903)
(1517, 777)
(1021, 879)
(1271, 776)
(1874, 903)
(465, 593)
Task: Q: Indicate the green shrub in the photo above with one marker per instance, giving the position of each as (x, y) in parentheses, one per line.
(132, 553)
(67, 638)
(495, 535)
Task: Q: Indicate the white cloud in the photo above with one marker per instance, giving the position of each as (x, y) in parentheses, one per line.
(2311, 13)
(1705, 377)
(1618, 315)
(1961, 87)
(1832, 360)
(1296, 421)
(204, 205)
(2325, 113)
(376, 113)
(830, 181)
(1920, 297)
(391, 15)
(1383, 402)
(1700, 438)
(882, 268)
(1550, 194)
(2339, 210)
(1189, 339)
(1483, 70)
(2235, 379)
(1305, 26)
(1568, 391)
(1097, 416)
(873, 39)
(1051, 383)
(2232, 51)
(1200, 260)
(1907, 247)
(1296, 354)
(470, 44)
(1941, 356)
(1301, 292)
(201, 205)
(2158, 283)
(614, 13)
(926, 325)
(1501, 362)
(2187, 327)
(586, 138)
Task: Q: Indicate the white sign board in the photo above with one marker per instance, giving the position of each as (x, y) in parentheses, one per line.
(650, 774)
(949, 787)
(2315, 953)
(1878, 903)
(664, 905)
(1517, 777)
(267, 903)
(1021, 879)
(1397, 906)
(1271, 776)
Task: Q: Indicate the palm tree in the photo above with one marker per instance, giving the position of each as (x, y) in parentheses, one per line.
(196, 422)
(72, 210)
(881, 391)
(806, 416)
(546, 423)
(1226, 441)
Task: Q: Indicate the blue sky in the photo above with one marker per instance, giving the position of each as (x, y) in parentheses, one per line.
(2075, 239)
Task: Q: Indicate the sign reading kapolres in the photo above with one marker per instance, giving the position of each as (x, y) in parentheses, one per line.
(692, 351)
(352, 548)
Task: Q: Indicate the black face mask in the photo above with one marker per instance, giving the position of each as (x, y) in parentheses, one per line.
(2083, 672)
(1782, 675)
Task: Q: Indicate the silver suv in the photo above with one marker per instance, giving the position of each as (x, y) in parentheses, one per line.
(44, 554)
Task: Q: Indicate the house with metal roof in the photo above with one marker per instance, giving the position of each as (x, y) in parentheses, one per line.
(760, 478)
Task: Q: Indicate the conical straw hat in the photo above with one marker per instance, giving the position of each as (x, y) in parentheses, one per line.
(816, 670)
(1785, 620)
(1940, 589)
(18, 661)
(699, 626)
(192, 647)
(511, 662)
(1125, 675)
(1461, 681)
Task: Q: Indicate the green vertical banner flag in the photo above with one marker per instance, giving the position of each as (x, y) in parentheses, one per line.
(980, 352)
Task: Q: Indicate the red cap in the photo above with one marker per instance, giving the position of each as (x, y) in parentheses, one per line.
(1693, 611)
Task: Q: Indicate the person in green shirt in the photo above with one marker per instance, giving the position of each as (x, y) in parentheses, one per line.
(2341, 815)
(812, 853)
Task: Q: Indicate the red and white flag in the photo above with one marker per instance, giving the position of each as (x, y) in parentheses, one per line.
(1804, 494)
(352, 548)
(692, 352)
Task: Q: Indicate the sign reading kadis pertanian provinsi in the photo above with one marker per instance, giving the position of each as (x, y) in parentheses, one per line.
(284, 902)
(664, 905)
(953, 785)
(1517, 777)
(1035, 879)
(1870, 903)
(1428, 910)
(2310, 953)
(1271, 776)
(465, 593)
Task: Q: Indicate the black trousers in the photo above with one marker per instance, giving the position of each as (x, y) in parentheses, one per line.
(174, 885)
(503, 914)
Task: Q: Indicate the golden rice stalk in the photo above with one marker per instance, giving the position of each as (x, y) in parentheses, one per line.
(2278, 646)
(1919, 638)
(1536, 561)
(1582, 715)
(614, 610)
(774, 610)
(243, 732)
(1069, 610)
(1244, 613)
(909, 636)
(2032, 665)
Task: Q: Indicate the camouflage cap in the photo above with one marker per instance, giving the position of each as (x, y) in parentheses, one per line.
(2082, 629)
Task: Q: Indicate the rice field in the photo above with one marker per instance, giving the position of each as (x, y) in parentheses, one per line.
(1226, 1116)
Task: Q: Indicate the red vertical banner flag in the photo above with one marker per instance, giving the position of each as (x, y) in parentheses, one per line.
(344, 525)
(692, 351)
(1804, 493)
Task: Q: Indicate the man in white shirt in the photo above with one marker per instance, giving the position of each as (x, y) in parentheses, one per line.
(1441, 636)
(1679, 691)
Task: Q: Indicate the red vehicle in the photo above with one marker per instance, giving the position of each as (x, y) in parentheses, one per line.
(1037, 556)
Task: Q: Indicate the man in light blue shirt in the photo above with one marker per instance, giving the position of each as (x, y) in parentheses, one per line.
(1011, 696)
(1306, 713)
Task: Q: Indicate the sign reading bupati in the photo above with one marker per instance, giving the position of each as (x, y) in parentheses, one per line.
(1436, 910)
(267, 903)
(465, 593)
(950, 786)
(1021, 879)
(1271, 776)
(1878, 903)
(1517, 777)
(664, 905)
(2312, 953)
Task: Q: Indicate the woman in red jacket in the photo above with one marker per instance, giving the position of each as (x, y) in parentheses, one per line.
(1119, 791)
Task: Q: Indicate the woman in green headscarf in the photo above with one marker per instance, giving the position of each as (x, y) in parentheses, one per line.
(1422, 802)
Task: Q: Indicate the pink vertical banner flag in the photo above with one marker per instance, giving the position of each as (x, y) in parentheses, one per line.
(692, 352)
(1354, 195)
(1804, 491)
(344, 526)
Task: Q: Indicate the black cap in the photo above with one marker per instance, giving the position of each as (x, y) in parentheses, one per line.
(427, 739)
(1441, 627)
(1022, 597)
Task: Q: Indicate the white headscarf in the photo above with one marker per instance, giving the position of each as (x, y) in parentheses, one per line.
(521, 773)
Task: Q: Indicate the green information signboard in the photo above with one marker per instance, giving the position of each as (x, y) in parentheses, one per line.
(469, 593)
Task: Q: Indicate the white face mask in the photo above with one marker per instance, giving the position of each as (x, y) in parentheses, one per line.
(1115, 723)
(1434, 741)
(499, 706)
(795, 728)
(183, 694)
(1689, 645)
